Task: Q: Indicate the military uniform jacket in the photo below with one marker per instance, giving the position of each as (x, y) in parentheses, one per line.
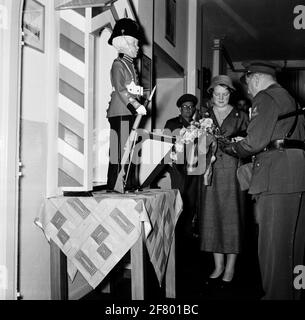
(179, 178)
(275, 171)
(176, 123)
(122, 74)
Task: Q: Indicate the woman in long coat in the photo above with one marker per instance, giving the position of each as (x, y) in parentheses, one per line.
(221, 204)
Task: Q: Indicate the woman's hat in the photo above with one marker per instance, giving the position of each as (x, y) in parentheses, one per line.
(125, 27)
(221, 80)
(187, 98)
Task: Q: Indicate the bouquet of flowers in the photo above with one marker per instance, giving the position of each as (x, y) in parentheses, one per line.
(197, 145)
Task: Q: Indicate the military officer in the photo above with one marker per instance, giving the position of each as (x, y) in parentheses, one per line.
(278, 179)
(186, 240)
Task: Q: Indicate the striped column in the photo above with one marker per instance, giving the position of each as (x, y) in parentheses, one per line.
(76, 90)
(71, 128)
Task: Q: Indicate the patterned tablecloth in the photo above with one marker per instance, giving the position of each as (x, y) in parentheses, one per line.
(96, 232)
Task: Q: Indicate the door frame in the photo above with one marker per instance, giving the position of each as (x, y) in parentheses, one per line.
(10, 90)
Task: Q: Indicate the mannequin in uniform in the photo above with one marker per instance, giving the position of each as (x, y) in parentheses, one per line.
(126, 95)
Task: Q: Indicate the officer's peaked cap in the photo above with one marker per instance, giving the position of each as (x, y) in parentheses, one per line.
(261, 66)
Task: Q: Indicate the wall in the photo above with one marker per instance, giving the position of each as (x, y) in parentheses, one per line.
(194, 47)
(302, 87)
(146, 15)
(169, 90)
(37, 84)
(104, 56)
(178, 51)
(186, 52)
(187, 49)
(10, 18)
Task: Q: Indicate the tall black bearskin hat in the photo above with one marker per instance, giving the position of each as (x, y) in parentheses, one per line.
(125, 27)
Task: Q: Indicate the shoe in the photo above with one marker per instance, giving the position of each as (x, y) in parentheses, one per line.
(213, 283)
(227, 286)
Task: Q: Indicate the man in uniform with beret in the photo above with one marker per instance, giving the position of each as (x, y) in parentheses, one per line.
(187, 184)
(278, 179)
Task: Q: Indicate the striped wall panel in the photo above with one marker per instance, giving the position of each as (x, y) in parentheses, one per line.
(67, 170)
(75, 106)
(71, 157)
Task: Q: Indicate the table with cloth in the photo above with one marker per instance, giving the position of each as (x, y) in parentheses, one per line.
(95, 232)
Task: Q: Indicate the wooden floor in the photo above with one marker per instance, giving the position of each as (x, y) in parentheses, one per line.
(190, 283)
(193, 267)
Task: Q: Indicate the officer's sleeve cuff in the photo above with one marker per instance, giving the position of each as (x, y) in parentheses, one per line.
(240, 151)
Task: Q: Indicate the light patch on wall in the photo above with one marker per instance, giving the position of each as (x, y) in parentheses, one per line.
(105, 55)
(3, 277)
(3, 17)
(1, 145)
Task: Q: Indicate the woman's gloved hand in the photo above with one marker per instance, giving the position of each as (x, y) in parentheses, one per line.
(236, 139)
(227, 147)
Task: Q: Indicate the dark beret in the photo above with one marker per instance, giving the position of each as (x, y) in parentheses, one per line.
(187, 98)
(261, 66)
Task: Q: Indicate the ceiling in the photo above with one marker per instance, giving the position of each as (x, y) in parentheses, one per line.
(255, 29)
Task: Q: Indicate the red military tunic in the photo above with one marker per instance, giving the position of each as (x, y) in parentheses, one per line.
(122, 106)
(123, 73)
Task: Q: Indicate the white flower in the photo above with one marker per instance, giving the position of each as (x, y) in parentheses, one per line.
(182, 131)
(179, 146)
(173, 156)
(193, 131)
(206, 123)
